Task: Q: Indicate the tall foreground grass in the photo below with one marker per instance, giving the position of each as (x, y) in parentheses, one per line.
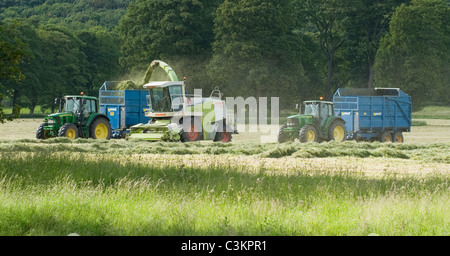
(56, 193)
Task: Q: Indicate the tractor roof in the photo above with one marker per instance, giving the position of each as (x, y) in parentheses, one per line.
(162, 84)
(81, 97)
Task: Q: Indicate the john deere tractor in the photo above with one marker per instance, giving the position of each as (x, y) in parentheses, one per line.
(78, 116)
(315, 123)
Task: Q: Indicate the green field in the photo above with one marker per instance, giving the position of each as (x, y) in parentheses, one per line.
(58, 187)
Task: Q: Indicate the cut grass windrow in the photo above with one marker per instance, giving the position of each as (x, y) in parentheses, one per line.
(433, 152)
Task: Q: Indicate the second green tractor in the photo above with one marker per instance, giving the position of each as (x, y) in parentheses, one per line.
(316, 122)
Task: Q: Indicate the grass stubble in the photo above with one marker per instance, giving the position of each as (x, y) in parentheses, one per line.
(98, 188)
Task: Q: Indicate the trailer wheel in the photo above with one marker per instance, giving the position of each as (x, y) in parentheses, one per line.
(398, 137)
(42, 134)
(386, 137)
(337, 131)
(281, 136)
(68, 130)
(100, 129)
(308, 134)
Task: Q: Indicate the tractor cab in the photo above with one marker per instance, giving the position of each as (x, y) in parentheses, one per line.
(320, 110)
(81, 107)
(165, 98)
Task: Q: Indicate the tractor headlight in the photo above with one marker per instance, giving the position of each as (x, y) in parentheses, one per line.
(51, 121)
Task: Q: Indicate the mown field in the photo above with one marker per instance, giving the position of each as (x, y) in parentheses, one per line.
(119, 187)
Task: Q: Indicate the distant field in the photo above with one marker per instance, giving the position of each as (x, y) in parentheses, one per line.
(433, 112)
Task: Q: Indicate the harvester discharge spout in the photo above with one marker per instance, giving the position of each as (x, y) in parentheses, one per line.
(157, 63)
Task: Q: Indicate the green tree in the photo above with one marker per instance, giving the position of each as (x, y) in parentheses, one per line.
(25, 92)
(101, 48)
(165, 28)
(366, 23)
(12, 51)
(255, 51)
(415, 55)
(64, 64)
(327, 18)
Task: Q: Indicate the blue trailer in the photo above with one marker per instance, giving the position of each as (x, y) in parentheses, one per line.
(124, 108)
(379, 114)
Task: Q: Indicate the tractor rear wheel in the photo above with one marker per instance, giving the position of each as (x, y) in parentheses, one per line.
(68, 130)
(42, 134)
(337, 131)
(100, 129)
(308, 134)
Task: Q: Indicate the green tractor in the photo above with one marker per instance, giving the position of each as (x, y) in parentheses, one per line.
(78, 116)
(177, 116)
(315, 123)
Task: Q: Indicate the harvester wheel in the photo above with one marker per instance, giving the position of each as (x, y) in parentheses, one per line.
(68, 130)
(100, 129)
(42, 134)
(281, 136)
(398, 137)
(337, 131)
(223, 136)
(386, 137)
(308, 134)
(191, 132)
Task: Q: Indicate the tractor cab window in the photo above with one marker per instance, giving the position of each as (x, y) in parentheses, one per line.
(89, 106)
(312, 108)
(72, 105)
(325, 110)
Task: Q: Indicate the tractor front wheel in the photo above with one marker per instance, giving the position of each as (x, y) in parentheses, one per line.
(68, 130)
(308, 134)
(100, 129)
(42, 134)
(281, 135)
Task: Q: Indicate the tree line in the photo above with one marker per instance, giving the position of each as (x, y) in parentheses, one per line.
(292, 49)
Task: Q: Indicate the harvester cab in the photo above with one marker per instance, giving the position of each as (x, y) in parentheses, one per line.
(315, 122)
(77, 116)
